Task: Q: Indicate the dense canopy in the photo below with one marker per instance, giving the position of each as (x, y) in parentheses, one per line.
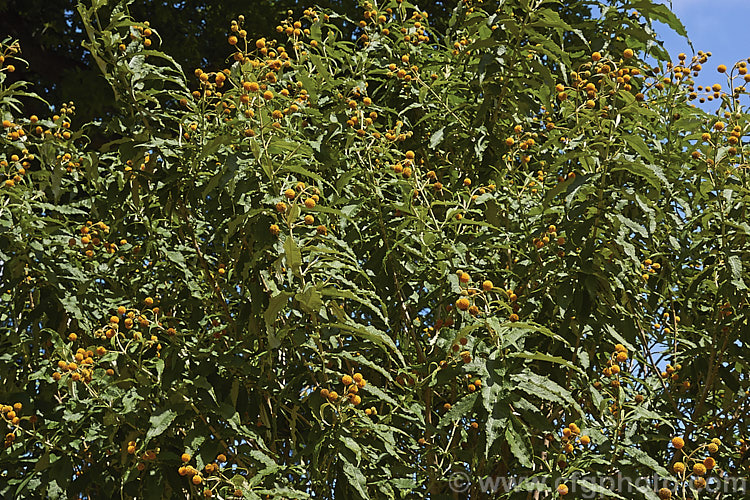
(485, 250)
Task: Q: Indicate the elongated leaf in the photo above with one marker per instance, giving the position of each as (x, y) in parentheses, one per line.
(159, 422)
(293, 254)
(597, 488)
(539, 356)
(462, 409)
(355, 478)
(372, 334)
(518, 441)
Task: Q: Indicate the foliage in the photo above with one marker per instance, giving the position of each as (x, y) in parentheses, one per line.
(352, 266)
(193, 33)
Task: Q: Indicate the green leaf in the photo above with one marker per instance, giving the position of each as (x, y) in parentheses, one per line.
(519, 444)
(436, 138)
(159, 422)
(543, 387)
(639, 145)
(268, 463)
(493, 428)
(597, 488)
(735, 264)
(462, 409)
(533, 327)
(660, 12)
(651, 173)
(310, 299)
(372, 334)
(539, 356)
(293, 255)
(646, 490)
(632, 226)
(355, 478)
(644, 459)
(275, 305)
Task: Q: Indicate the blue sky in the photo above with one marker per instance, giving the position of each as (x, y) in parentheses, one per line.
(716, 26)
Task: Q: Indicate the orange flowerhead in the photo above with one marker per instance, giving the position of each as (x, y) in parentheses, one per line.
(665, 493)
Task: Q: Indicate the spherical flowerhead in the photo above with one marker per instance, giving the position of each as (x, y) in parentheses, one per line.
(709, 462)
(699, 469)
(487, 285)
(721, 68)
(562, 490)
(678, 442)
(627, 53)
(463, 303)
(665, 493)
(678, 467)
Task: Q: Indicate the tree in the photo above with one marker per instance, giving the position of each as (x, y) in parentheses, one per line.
(192, 32)
(390, 261)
